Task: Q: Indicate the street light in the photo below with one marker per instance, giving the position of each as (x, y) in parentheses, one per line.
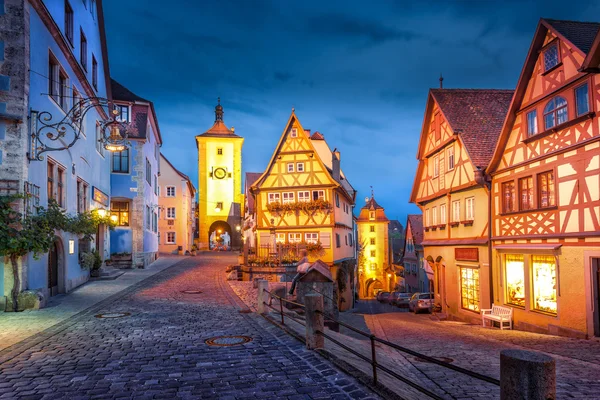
(101, 212)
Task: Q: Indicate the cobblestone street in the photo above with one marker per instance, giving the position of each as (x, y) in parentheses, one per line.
(159, 350)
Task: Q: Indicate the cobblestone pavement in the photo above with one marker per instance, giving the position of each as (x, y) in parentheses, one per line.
(159, 350)
(15, 327)
(478, 349)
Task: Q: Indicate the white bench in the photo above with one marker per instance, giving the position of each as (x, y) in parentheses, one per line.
(497, 313)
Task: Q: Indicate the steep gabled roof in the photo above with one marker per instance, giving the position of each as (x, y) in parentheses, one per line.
(182, 175)
(581, 34)
(477, 116)
(249, 180)
(120, 92)
(416, 226)
(592, 60)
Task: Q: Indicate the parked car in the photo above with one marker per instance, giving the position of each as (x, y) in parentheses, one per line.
(401, 299)
(382, 297)
(420, 301)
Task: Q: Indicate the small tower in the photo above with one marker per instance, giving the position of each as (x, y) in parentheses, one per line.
(375, 273)
(219, 185)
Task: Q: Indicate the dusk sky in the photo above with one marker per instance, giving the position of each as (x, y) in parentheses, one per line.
(356, 71)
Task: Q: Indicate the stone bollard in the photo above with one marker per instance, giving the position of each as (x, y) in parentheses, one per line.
(263, 296)
(527, 375)
(314, 321)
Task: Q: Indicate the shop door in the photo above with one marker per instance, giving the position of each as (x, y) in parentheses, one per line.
(596, 294)
(53, 270)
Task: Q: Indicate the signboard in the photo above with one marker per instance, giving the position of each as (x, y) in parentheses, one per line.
(99, 196)
(467, 254)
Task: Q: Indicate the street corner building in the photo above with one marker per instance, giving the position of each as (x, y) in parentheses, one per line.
(415, 278)
(375, 273)
(304, 202)
(219, 185)
(459, 134)
(177, 199)
(546, 186)
(53, 56)
(134, 180)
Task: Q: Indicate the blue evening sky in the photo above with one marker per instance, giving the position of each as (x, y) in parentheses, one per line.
(356, 71)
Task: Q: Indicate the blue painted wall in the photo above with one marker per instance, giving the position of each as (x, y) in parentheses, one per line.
(121, 240)
(83, 158)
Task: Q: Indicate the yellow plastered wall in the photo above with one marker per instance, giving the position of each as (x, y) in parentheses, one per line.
(381, 248)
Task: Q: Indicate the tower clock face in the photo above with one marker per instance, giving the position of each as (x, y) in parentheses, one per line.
(219, 173)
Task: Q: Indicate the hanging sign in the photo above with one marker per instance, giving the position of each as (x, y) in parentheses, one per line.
(467, 254)
(99, 196)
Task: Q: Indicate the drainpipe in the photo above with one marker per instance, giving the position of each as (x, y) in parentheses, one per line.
(485, 180)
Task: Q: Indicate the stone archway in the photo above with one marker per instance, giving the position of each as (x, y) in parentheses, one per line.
(56, 268)
(371, 285)
(219, 236)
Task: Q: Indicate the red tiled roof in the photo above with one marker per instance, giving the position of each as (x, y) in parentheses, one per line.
(477, 115)
(416, 227)
(581, 34)
(317, 136)
(181, 174)
(251, 177)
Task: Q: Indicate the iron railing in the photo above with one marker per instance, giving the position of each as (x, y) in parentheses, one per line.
(276, 256)
(373, 359)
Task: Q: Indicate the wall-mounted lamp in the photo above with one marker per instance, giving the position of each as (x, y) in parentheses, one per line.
(101, 212)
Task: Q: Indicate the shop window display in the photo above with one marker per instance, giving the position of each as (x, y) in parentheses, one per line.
(515, 280)
(469, 288)
(544, 283)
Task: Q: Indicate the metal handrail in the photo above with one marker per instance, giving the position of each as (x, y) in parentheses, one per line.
(285, 300)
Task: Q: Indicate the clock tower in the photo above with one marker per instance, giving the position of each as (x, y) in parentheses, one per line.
(219, 185)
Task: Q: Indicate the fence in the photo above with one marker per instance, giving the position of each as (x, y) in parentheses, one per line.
(278, 255)
(517, 375)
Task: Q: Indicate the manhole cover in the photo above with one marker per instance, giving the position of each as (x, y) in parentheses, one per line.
(442, 359)
(113, 315)
(191, 291)
(227, 340)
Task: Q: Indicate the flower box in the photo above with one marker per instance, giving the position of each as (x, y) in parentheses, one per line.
(454, 224)
(467, 222)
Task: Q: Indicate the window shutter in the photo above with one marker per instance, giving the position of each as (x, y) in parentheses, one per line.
(325, 240)
(265, 238)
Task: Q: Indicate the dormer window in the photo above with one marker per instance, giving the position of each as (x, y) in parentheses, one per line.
(294, 132)
(555, 112)
(371, 214)
(551, 56)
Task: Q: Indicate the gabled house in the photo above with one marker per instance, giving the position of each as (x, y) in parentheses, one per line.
(134, 179)
(373, 236)
(304, 199)
(412, 257)
(546, 185)
(249, 220)
(176, 199)
(460, 130)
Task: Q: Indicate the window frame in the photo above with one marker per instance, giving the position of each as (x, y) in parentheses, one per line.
(82, 196)
(436, 166)
(119, 211)
(219, 151)
(320, 195)
(294, 237)
(553, 44)
(69, 23)
(119, 154)
(273, 197)
(169, 214)
(470, 208)
(83, 49)
(168, 189)
(305, 196)
(174, 234)
(536, 127)
(530, 192)
(551, 193)
(579, 113)
(555, 112)
(300, 167)
(450, 156)
(508, 208)
(311, 237)
(476, 289)
(290, 167)
(291, 198)
(94, 72)
(443, 214)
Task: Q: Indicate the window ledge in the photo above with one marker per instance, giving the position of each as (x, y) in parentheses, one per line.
(454, 224)
(552, 69)
(546, 313)
(560, 127)
(426, 229)
(529, 211)
(467, 222)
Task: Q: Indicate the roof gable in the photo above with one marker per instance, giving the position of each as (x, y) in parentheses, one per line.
(580, 34)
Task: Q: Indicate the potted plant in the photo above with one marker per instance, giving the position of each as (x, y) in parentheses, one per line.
(96, 265)
(194, 249)
(86, 260)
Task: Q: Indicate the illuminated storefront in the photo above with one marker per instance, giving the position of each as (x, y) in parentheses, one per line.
(530, 282)
(469, 288)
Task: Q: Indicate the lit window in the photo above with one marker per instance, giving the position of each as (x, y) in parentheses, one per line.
(443, 214)
(582, 103)
(450, 154)
(290, 167)
(469, 288)
(546, 189)
(288, 197)
(470, 209)
(555, 112)
(508, 197)
(170, 212)
(544, 283)
(280, 238)
(311, 237)
(120, 210)
(372, 253)
(304, 196)
(436, 166)
(456, 211)
(526, 193)
(170, 238)
(532, 127)
(294, 237)
(515, 279)
(300, 167)
(170, 191)
(551, 57)
(372, 240)
(274, 197)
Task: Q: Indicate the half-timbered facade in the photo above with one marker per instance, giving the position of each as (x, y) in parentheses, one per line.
(460, 130)
(546, 187)
(303, 197)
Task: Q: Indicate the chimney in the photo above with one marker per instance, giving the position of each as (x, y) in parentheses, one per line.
(335, 164)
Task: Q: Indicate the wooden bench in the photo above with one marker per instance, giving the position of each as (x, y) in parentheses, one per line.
(497, 313)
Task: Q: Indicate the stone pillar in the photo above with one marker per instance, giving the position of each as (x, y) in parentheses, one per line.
(314, 321)
(263, 297)
(527, 375)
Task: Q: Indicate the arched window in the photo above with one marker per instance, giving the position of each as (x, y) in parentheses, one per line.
(555, 112)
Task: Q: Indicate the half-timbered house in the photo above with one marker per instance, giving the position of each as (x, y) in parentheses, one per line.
(460, 130)
(303, 197)
(546, 186)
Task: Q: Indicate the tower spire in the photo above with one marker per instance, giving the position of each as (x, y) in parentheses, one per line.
(218, 110)
(441, 81)
(372, 195)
